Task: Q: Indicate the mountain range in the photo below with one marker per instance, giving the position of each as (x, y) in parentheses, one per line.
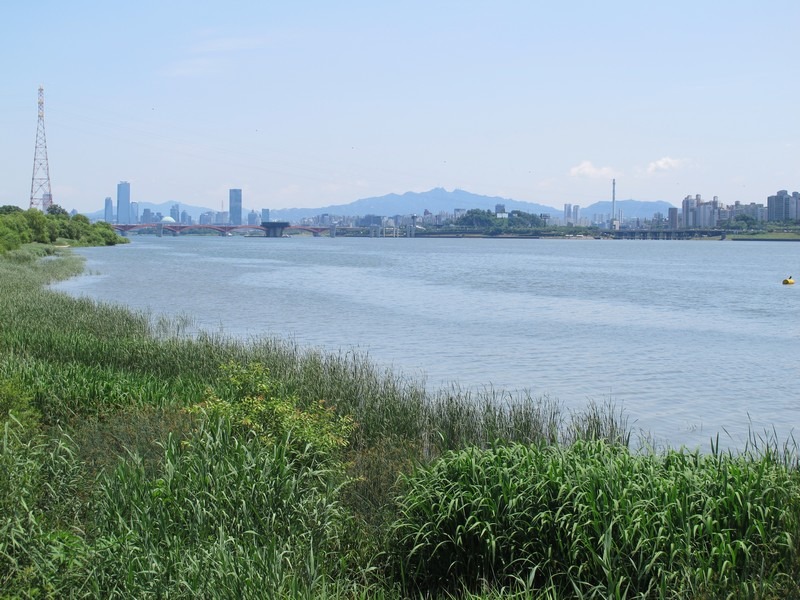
(440, 200)
(435, 201)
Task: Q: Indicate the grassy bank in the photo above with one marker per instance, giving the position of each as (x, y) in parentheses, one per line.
(137, 463)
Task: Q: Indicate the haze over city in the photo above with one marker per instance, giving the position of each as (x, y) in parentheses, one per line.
(314, 104)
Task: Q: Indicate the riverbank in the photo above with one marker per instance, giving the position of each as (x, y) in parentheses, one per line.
(159, 465)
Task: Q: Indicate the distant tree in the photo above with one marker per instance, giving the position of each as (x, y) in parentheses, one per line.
(477, 219)
(746, 220)
(8, 209)
(57, 211)
(43, 230)
(518, 219)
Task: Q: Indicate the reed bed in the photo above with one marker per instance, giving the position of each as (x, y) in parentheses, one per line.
(597, 520)
(140, 461)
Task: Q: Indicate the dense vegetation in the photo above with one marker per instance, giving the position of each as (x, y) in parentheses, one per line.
(136, 462)
(18, 227)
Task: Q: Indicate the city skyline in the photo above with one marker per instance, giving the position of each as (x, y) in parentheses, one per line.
(323, 105)
(694, 211)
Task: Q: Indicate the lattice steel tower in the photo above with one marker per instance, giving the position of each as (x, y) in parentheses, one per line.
(41, 196)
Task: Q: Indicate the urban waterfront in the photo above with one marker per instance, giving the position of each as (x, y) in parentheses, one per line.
(691, 339)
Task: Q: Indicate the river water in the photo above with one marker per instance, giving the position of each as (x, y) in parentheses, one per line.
(690, 338)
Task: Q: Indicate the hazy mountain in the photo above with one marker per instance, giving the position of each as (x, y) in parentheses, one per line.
(630, 209)
(435, 201)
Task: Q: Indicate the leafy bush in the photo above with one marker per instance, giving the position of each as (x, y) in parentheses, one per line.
(256, 403)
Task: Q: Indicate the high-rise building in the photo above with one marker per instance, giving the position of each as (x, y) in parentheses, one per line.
(576, 213)
(688, 207)
(567, 213)
(175, 212)
(108, 214)
(235, 206)
(123, 203)
(134, 212)
(782, 206)
(672, 217)
(264, 215)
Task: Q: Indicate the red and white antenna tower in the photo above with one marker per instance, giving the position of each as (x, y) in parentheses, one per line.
(41, 195)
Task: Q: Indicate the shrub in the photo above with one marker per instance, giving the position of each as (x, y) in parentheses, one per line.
(256, 403)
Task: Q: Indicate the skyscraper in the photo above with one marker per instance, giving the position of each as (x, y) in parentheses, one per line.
(264, 215)
(123, 203)
(108, 215)
(235, 206)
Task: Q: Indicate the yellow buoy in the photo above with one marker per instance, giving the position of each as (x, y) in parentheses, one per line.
(788, 281)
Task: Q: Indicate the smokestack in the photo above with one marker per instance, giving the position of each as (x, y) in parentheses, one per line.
(613, 201)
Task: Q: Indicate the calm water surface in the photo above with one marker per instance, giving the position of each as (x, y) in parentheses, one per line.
(690, 338)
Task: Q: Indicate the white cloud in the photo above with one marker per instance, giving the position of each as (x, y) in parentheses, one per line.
(587, 169)
(665, 164)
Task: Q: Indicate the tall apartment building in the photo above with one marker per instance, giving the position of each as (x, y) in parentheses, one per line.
(783, 206)
(108, 213)
(567, 213)
(264, 215)
(687, 211)
(672, 217)
(235, 206)
(697, 213)
(123, 203)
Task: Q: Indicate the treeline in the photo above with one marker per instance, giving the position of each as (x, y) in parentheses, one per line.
(18, 227)
(486, 222)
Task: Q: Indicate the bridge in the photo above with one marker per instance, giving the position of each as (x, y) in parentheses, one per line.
(665, 234)
(267, 228)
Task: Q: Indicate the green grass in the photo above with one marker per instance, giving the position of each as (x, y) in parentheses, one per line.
(139, 462)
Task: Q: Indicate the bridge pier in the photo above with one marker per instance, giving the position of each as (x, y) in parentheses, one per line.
(274, 229)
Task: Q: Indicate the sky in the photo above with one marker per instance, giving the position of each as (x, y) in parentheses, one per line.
(309, 103)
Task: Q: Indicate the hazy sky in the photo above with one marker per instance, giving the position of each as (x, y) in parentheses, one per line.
(311, 103)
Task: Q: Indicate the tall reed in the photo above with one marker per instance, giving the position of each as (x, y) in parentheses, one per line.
(597, 520)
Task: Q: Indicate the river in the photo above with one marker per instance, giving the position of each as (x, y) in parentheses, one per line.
(690, 338)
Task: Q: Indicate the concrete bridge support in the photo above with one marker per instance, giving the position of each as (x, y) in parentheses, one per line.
(274, 229)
